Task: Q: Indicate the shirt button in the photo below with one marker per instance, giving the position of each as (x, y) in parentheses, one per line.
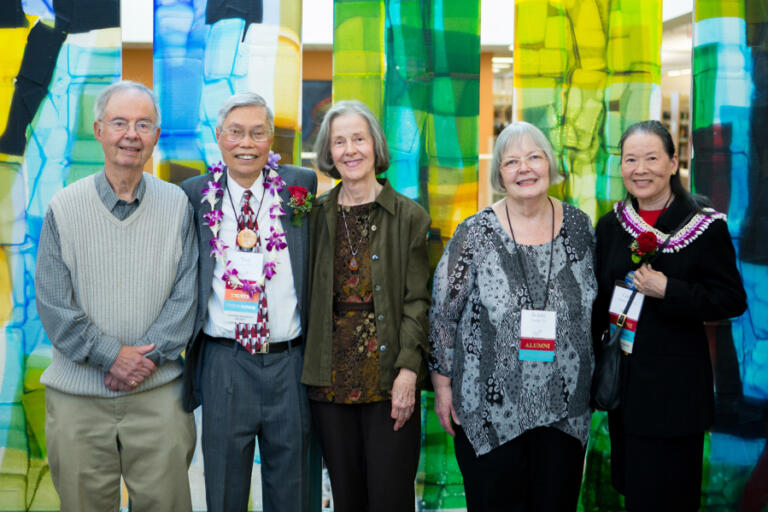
(383, 348)
(373, 228)
(375, 257)
(377, 287)
(381, 317)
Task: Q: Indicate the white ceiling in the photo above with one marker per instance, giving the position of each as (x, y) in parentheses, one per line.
(497, 21)
(676, 43)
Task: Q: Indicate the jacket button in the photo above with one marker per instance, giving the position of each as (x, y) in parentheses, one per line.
(383, 348)
(375, 257)
(373, 228)
(381, 317)
(377, 287)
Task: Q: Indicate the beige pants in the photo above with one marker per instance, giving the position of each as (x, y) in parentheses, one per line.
(147, 437)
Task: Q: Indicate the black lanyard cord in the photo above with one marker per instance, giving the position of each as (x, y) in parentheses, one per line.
(255, 215)
(520, 258)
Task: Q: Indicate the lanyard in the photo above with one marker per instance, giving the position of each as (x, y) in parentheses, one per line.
(520, 258)
(237, 215)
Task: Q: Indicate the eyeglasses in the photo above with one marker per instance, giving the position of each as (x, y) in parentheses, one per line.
(121, 125)
(234, 134)
(514, 164)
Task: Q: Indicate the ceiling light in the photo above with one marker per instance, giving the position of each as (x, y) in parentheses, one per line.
(679, 72)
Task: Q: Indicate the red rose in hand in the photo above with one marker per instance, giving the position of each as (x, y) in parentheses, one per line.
(298, 194)
(646, 242)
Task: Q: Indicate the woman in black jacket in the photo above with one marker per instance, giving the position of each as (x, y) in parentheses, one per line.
(687, 276)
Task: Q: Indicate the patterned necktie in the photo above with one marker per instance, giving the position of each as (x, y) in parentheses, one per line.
(252, 336)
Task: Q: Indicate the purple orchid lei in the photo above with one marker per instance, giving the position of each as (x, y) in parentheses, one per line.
(213, 193)
(633, 224)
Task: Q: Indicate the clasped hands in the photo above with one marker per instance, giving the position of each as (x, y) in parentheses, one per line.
(130, 368)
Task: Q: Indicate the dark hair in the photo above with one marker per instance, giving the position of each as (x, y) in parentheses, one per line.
(654, 127)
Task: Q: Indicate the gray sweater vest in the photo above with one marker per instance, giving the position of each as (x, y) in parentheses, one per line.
(122, 273)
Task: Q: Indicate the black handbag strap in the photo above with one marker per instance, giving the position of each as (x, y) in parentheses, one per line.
(623, 317)
(672, 233)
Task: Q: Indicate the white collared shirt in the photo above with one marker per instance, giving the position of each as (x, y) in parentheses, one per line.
(284, 322)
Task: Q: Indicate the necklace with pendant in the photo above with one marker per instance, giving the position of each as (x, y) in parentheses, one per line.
(353, 265)
(247, 227)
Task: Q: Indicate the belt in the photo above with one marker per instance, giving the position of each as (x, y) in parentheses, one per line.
(344, 306)
(266, 348)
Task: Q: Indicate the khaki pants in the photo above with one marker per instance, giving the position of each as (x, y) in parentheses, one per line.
(147, 437)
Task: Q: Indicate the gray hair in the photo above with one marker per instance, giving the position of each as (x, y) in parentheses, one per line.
(123, 85)
(512, 136)
(245, 99)
(323, 157)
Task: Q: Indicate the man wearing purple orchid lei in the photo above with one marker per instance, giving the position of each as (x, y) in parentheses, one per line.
(115, 284)
(245, 356)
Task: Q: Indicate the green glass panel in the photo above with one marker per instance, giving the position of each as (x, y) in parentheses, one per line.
(593, 71)
(706, 9)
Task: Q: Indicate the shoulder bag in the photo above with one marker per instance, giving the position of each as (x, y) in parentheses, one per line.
(606, 395)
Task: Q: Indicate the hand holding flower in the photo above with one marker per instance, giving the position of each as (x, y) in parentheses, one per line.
(649, 282)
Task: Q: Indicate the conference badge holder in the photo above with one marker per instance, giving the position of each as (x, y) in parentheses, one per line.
(239, 305)
(623, 316)
(537, 335)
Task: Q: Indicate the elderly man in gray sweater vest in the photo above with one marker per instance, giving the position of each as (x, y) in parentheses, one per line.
(116, 284)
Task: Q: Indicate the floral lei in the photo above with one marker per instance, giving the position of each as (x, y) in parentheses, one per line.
(213, 193)
(633, 224)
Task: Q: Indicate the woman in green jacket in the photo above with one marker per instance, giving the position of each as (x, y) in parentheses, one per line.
(367, 336)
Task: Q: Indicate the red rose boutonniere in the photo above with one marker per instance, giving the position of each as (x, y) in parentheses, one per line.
(644, 247)
(300, 202)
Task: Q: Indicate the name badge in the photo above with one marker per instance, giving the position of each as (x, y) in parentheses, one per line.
(619, 300)
(239, 306)
(537, 335)
(249, 265)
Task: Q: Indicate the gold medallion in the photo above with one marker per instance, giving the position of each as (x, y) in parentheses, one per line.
(247, 238)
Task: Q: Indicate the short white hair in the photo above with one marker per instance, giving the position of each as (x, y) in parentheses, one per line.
(512, 136)
(100, 105)
(245, 99)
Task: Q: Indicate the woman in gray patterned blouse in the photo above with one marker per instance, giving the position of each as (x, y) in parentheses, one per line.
(511, 357)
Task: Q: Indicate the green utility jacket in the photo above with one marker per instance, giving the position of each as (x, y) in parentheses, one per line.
(400, 272)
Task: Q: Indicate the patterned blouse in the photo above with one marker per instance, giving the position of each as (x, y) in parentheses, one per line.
(479, 292)
(355, 371)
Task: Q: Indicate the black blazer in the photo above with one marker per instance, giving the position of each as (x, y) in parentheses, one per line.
(298, 249)
(667, 387)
